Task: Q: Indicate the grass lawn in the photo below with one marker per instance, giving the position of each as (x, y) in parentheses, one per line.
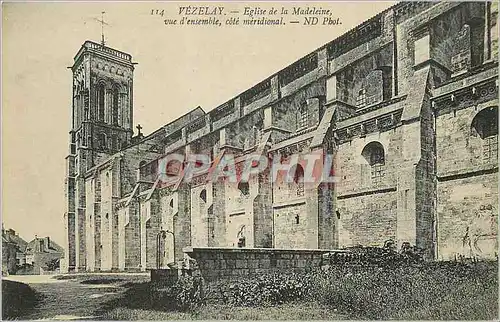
(297, 311)
(17, 298)
(433, 291)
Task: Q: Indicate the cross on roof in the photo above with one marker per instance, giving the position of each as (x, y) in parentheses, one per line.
(139, 128)
(102, 26)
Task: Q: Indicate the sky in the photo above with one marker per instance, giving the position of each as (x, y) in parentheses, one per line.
(179, 68)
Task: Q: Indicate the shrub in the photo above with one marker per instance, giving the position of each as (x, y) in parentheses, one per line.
(379, 256)
(261, 290)
(184, 294)
(417, 291)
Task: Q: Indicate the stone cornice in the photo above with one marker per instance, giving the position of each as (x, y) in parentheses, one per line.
(466, 173)
(103, 51)
(474, 77)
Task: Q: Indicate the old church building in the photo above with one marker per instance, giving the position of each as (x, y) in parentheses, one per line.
(407, 102)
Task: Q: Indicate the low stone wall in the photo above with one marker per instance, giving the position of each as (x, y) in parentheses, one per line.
(215, 263)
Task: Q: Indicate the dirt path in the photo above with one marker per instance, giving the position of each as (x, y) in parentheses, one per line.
(70, 298)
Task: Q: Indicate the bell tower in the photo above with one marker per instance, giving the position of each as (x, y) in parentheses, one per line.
(101, 125)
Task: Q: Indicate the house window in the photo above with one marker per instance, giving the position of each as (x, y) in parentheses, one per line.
(297, 219)
(485, 125)
(361, 99)
(303, 117)
(374, 154)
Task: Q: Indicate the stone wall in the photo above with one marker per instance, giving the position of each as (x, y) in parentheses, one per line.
(467, 189)
(354, 170)
(132, 237)
(455, 136)
(215, 263)
(367, 220)
(468, 217)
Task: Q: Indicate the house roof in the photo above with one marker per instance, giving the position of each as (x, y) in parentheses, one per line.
(14, 239)
(53, 247)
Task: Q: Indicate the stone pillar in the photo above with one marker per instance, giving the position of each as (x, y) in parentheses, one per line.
(219, 213)
(97, 236)
(132, 236)
(222, 136)
(238, 108)
(71, 246)
(322, 197)
(263, 211)
(494, 29)
(275, 88)
(143, 217)
(90, 235)
(323, 62)
(182, 221)
(152, 230)
(81, 250)
(268, 117)
(121, 238)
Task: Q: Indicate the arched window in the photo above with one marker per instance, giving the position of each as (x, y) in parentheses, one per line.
(485, 125)
(298, 178)
(203, 195)
(374, 154)
(101, 94)
(244, 188)
(116, 97)
(303, 116)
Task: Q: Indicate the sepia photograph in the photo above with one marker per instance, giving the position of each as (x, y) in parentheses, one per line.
(250, 160)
